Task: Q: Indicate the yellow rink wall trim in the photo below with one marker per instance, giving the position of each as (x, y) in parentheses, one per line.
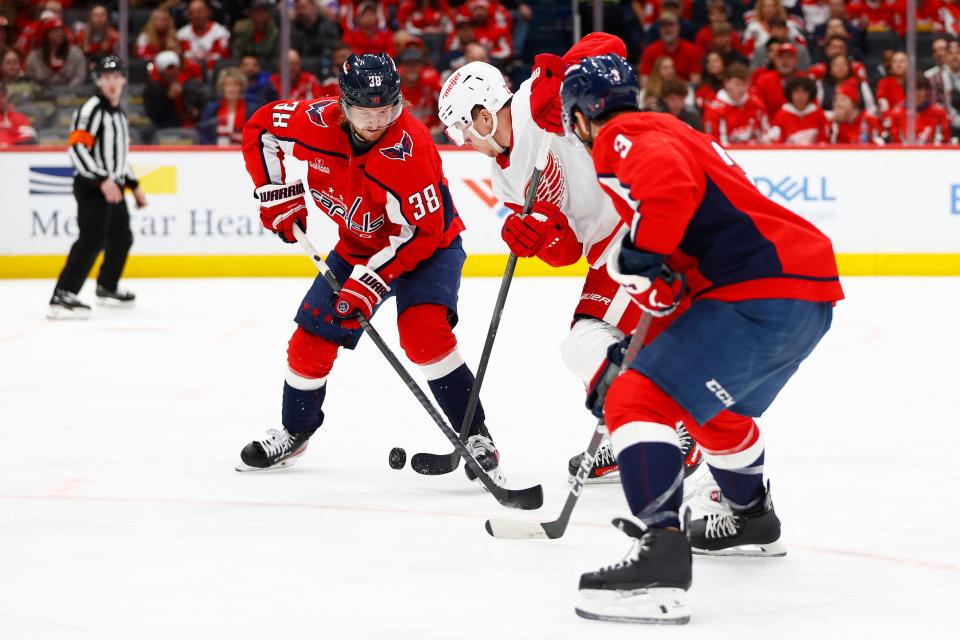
(899, 264)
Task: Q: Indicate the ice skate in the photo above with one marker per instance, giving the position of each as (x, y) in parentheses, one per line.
(605, 468)
(65, 305)
(702, 496)
(118, 298)
(483, 450)
(648, 586)
(754, 532)
(279, 449)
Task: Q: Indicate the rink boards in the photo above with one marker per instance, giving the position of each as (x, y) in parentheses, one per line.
(888, 211)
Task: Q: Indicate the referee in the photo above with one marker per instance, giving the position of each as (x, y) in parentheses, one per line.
(99, 146)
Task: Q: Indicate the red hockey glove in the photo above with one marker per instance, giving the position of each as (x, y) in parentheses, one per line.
(653, 286)
(527, 235)
(359, 296)
(545, 104)
(282, 206)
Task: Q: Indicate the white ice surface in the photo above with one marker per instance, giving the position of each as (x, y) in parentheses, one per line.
(121, 515)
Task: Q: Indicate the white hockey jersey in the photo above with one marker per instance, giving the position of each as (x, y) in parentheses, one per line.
(568, 181)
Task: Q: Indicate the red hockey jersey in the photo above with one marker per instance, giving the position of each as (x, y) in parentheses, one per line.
(743, 122)
(933, 124)
(864, 129)
(391, 202)
(806, 127)
(691, 202)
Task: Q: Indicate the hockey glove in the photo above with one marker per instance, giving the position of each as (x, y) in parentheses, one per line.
(545, 104)
(359, 296)
(527, 235)
(645, 276)
(604, 377)
(282, 206)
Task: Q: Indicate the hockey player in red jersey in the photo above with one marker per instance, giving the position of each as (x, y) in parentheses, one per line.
(571, 217)
(374, 170)
(763, 283)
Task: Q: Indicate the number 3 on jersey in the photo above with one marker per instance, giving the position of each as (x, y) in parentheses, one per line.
(425, 201)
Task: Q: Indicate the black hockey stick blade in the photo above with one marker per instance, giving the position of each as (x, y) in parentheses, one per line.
(435, 464)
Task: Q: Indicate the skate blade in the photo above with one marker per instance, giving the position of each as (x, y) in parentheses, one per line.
(657, 605)
(610, 478)
(115, 304)
(283, 464)
(775, 549)
(56, 312)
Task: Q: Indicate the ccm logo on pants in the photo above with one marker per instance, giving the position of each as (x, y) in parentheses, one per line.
(720, 392)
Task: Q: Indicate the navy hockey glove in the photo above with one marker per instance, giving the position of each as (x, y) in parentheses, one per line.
(645, 276)
(604, 377)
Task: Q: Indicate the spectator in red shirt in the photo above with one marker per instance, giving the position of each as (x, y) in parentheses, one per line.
(800, 121)
(770, 87)
(685, 55)
(420, 86)
(773, 47)
(367, 36)
(222, 121)
(425, 16)
(29, 36)
(494, 9)
(713, 68)
(303, 84)
(950, 16)
(157, 35)
(203, 40)
(15, 128)
(736, 116)
(890, 90)
(778, 29)
(330, 87)
(97, 39)
(488, 27)
(874, 15)
(933, 124)
(717, 13)
(849, 124)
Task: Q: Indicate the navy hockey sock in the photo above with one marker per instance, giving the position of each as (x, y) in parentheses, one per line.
(302, 409)
(743, 487)
(452, 392)
(651, 471)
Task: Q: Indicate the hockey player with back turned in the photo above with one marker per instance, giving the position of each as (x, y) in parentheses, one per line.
(571, 216)
(375, 171)
(763, 283)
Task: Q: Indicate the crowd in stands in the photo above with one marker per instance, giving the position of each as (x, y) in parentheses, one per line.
(746, 71)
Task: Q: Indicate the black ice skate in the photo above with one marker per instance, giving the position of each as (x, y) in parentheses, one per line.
(67, 306)
(279, 449)
(118, 298)
(647, 586)
(754, 532)
(483, 450)
(605, 467)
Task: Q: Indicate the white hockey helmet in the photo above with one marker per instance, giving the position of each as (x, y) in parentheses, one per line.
(477, 83)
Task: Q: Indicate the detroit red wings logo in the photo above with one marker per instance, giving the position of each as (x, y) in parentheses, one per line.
(553, 182)
(400, 151)
(315, 112)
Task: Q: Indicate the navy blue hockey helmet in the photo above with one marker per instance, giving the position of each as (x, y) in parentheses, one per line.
(370, 81)
(598, 85)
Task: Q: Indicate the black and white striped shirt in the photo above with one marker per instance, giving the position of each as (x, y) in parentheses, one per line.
(100, 143)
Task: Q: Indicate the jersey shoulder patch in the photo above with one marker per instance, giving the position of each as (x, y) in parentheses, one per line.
(401, 150)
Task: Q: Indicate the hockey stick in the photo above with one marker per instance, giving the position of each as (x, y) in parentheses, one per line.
(529, 498)
(436, 464)
(515, 529)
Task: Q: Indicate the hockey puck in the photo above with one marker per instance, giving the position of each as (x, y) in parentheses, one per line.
(398, 458)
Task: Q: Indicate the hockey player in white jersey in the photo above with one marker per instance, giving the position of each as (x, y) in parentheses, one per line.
(571, 216)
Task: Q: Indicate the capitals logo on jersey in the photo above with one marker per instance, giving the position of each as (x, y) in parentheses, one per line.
(400, 151)
(315, 112)
(361, 225)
